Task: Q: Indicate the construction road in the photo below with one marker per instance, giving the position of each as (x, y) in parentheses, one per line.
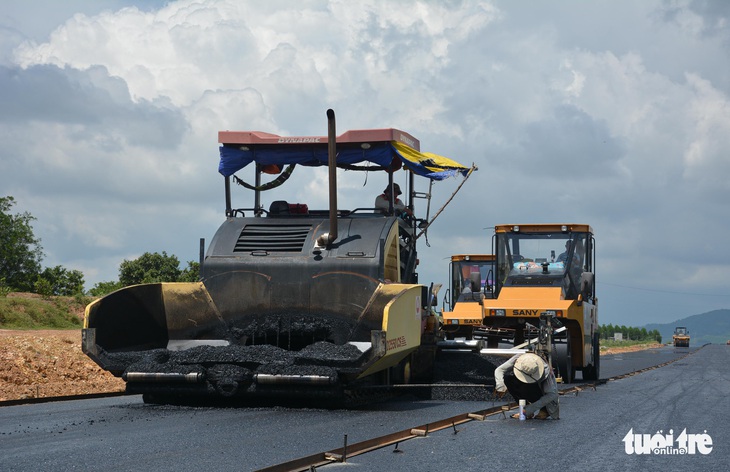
(679, 407)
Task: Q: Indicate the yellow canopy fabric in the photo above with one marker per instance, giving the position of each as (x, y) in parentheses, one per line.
(428, 164)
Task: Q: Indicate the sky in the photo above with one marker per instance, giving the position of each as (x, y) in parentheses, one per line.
(613, 113)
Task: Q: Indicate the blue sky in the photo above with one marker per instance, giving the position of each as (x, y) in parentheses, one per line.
(611, 113)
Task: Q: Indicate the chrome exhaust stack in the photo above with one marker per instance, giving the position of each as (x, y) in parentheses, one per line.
(327, 239)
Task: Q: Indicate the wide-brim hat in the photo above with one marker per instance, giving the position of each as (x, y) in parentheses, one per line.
(529, 368)
(396, 189)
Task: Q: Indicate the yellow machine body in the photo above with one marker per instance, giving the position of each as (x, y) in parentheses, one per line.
(545, 269)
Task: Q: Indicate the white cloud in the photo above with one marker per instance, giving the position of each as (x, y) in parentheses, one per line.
(706, 155)
(110, 115)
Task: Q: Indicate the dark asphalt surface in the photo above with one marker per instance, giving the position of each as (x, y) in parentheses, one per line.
(124, 434)
(618, 364)
(688, 395)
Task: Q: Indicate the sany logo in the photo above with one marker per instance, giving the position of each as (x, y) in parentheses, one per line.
(665, 444)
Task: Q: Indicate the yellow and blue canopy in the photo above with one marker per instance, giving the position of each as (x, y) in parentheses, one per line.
(384, 155)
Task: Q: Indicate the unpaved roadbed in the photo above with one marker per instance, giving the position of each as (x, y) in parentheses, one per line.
(49, 363)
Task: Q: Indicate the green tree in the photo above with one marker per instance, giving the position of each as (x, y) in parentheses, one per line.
(191, 273)
(608, 331)
(43, 287)
(150, 268)
(634, 333)
(62, 281)
(102, 288)
(20, 251)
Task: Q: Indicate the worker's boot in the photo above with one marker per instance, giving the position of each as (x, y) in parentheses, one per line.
(542, 414)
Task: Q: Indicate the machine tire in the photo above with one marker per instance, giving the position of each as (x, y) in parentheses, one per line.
(592, 372)
(400, 374)
(564, 361)
(407, 372)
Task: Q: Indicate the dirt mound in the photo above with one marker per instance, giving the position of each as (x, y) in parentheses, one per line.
(49, 363)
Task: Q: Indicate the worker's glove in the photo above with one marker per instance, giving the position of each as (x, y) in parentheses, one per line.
(500, 394)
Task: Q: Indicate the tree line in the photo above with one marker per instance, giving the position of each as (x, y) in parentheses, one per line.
(629, 333)
(21, 257)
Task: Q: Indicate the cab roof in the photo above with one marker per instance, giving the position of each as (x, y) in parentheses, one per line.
(386, 149)
(544, 228)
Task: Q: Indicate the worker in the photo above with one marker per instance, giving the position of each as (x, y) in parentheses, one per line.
(564, 256)
(527, 376)
(382, 201)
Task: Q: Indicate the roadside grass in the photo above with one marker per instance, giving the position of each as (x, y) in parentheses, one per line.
(41, 313)
(610, 343)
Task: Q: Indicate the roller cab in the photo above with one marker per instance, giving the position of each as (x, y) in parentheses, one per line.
(469, 274)
(680, 338)
(544, 269)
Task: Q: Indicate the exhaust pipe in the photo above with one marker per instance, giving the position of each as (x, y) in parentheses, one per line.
(328, 238)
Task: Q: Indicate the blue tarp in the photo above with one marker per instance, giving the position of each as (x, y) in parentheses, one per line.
(427, 165)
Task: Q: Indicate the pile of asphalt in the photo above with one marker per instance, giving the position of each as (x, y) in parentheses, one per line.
(316, 359)
(345, 355)
(464, 376)
(458, 376)
(292, 331)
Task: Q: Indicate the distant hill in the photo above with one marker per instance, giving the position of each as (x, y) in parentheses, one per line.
(710, 327)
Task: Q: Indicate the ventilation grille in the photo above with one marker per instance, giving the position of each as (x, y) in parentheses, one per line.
(272, 238)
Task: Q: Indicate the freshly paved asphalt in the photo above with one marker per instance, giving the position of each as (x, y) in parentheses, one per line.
(125, 434)
(689, 395)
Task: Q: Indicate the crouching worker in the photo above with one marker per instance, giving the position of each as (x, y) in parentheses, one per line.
(527, 376)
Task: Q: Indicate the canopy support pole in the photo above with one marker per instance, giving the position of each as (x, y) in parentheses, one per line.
(468, 174)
